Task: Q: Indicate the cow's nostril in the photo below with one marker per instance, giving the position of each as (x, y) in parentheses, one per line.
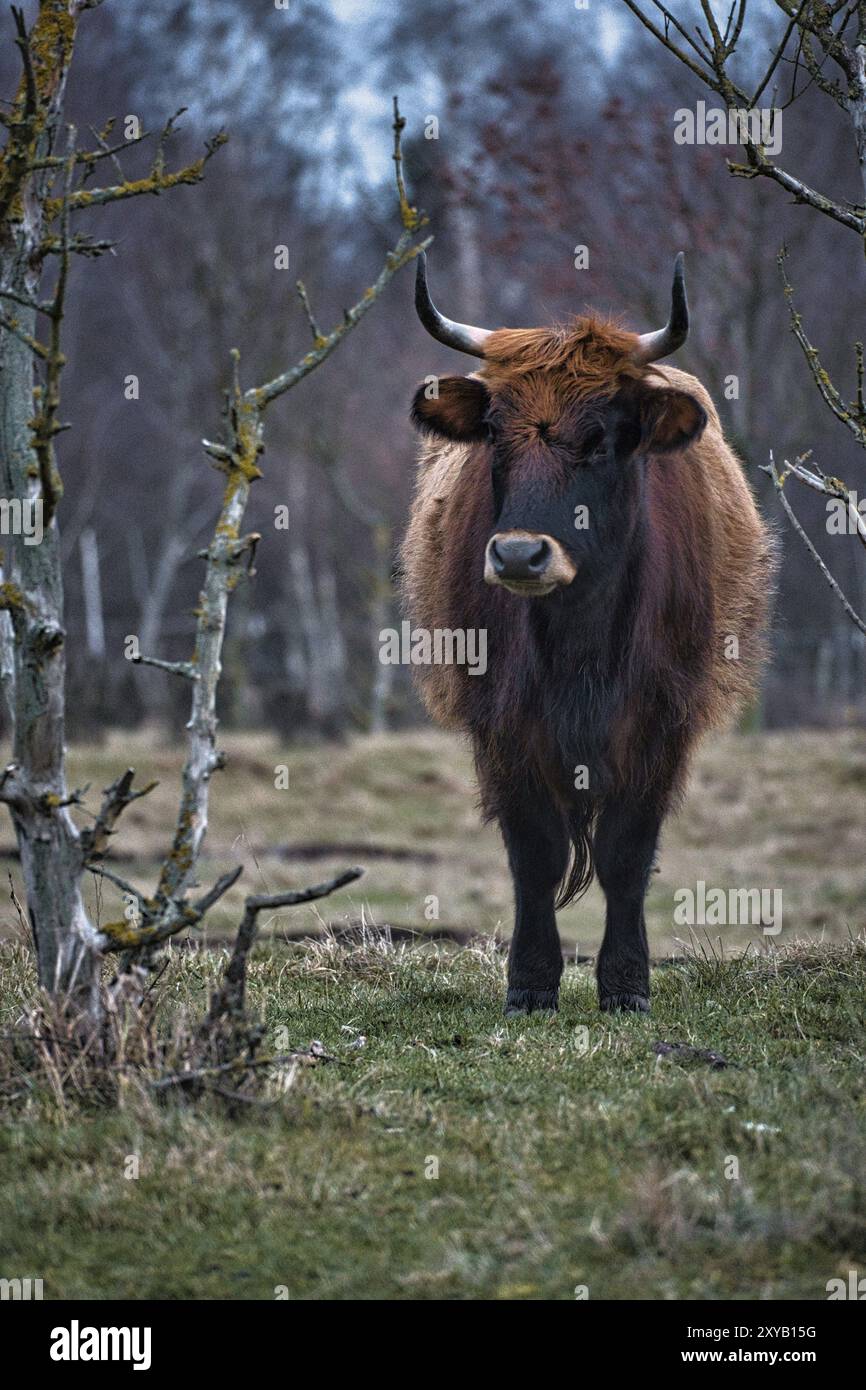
(541, 559)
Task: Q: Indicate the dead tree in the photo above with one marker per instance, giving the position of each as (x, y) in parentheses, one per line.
(44, 178)
(44, 187)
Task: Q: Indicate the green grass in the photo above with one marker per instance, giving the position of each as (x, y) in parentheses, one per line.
(565, 1157)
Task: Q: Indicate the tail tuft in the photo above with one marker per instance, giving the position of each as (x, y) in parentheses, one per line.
(581, 868)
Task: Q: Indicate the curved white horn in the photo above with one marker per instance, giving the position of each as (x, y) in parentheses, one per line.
(653, 346)
(461, 336)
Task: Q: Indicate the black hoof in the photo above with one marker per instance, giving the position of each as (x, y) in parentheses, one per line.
(630, 1003)
(530, 1001)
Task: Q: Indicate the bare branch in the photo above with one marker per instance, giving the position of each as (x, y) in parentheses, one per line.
(400, 255)
(777, 57)
(12, 325)
(819, 481)
(22, 124)
(90, 157)
(100, 871)
(156, 182)
(849, 415)
(292, 897)
(714, 74)
(789, 511)
(664, 38)
(221, 886)
(177, 668)
(760, 166)
(94, 841)
(318, 338)
(410, 217)
(158, 925)
(229, 998)
(39, 306)
(77, 246)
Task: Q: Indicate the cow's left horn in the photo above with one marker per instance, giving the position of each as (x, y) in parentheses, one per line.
(461, 336)
(653, 346)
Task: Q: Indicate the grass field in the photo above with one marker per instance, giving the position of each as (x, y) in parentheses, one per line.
(443, 1151)
(557, 1157)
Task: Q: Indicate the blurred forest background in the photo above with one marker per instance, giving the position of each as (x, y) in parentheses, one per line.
(553, 129)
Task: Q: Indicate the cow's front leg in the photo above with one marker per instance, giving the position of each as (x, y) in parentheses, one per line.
(624, 848)
(536, 839)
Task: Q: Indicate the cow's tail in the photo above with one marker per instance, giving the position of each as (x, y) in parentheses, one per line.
(581, 865)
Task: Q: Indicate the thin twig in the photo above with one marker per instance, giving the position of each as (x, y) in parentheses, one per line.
(229, 998)
(779, 485)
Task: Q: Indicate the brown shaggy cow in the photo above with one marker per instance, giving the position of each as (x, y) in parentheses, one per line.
(580, 505)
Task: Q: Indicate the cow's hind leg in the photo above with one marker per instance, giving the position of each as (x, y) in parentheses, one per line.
(624, 849)
(536, 838)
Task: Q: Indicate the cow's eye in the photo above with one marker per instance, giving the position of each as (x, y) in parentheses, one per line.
(591, 443)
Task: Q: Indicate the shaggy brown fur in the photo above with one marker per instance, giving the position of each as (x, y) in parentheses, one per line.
(699, 506)
(651, 635)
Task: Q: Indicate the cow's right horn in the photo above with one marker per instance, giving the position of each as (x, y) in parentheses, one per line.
(461, 336)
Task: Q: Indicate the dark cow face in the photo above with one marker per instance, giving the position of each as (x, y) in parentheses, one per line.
(565, 470)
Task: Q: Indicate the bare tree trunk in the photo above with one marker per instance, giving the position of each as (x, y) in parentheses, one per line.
(324, 651)
(91, 583)
(857, 93)
(152, 685)
(380, 612)
(34, 662)
(32, 634)
(467, 239)
(332, 695)
(315, 601)
(380, 590)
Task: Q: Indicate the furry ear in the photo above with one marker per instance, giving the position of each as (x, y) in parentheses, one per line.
(661, 419)
(670, 420)
(456, 411)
